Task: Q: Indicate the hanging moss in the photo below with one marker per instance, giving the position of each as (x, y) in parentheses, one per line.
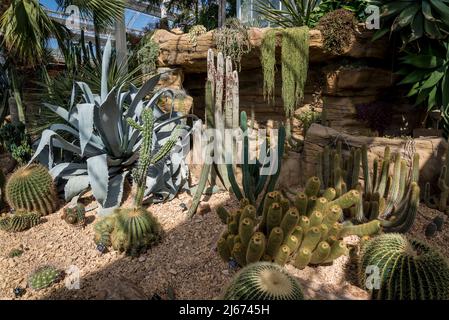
(295, 61)
(268, 61)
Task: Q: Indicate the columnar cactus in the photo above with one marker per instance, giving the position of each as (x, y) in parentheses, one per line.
(75, 215)
(439, 200)
(44, 277)
(31, 188)
(20, 221)
(263, 281)
(307, 231)
(388, 194)
(408, 269)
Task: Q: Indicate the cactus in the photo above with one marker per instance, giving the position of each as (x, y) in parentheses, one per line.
(263, 281)
(31, 188)
(20, 221)
(44, 277)
(221, 112)
(2, 187)
(409, 269)
(282, 233)
(75, 215)
(431, 230)
(389, 197)
(440, 199)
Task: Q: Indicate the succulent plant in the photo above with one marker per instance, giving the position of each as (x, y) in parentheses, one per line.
(16, 252)
(431, 230)
(263, 281)
(439, 200)
(392, 197)
(100, 147)
(44, 277)
(20, 221)
(408, 269)
(2, 187)
(75, 215)
(307, 231)
(439, 222)
(31, 188)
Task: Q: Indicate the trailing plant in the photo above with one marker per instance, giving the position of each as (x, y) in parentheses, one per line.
(195, 32)
(439, 199)
(31, 188)
(306, 230)
(97, 147)
(44, 277)
(413, 19)
(268, 62)
(221, 113)
(263, 281)
(75, 215)
(21, 220)
(337, 28)
(255, 181)
(233, 41)
(408, 269)
(392, 197)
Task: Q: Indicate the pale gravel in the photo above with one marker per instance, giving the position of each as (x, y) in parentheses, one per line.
(185, 260)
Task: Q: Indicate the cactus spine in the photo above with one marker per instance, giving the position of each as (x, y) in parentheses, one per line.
(410, 269)
(263, 281)
(31, 188)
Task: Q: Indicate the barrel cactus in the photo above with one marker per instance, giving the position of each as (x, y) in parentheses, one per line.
(44, 277)
(263, 281)
(75, 215)
(31, 188)
(20, 221)
(306, 231)
(408, 269)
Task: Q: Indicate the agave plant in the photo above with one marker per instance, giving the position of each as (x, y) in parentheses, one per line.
(414, 19)
(97, 148)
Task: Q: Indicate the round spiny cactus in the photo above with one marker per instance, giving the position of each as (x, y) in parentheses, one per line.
(43, 277)
(263, 281)
(408, 269)
(20, 221)
(31, 188)
(134, 230)
(75, 215)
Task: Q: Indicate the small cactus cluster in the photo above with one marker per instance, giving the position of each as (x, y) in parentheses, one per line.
(44, 277)
(31, 188)
(390, 195)
(307, 231)
(408, 269)
(263, 281)
(439, 200)
(132, 230)
(434, 226)
(21, 220)
(75, 215)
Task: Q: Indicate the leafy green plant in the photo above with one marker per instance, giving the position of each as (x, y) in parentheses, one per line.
(413, 19)
(337, 27)
(16, 141)
(307, 118)
(294, 13)
(409, 269)
(263, 281)
(99, 147)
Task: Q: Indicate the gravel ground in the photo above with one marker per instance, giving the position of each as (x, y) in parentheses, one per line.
(184, 262)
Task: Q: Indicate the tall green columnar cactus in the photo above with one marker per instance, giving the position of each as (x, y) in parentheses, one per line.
(221, 113)
(408, 269)
(31, 188)
(253, 181)
(146, 157)
(439, 200)
(290, 231)
(385, 194)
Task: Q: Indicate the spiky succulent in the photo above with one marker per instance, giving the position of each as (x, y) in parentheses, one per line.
(75, 215)
(31, 188)
(408, 269)
(263, 281)
(21, 220)
(44, 277)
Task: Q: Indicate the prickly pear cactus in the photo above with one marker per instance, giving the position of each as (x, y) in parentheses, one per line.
(408, 269)
(263, 281)
(31, 188)
(44, 277)
(307, 231)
